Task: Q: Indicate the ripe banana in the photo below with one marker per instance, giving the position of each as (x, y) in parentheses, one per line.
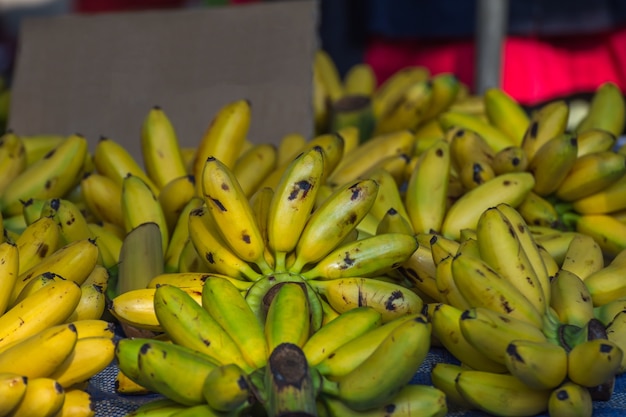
(609, 200)
(539, 365)
(606, 285)
(443, 377)
(595, 140)
(173, 198)
(52, 176)
(609, 232)
(9, 270)
(89, 357)
(43, 397)
(511, 188)
(287, 319)
(292, 203)
(509, 159)
(332, 221)
(388, 195)
(393, 87)
(570, 400)
(501, 394)
(180, 235)
(546, 123)
(495, 138)
(427, 188)
(407, 111)
(360, 79)
(12, 390)
(445, 90)
(289, 146)
(505, 113)
(607, 110)
(13, 158)
(254, 165)
(77, 403)
(160, 148)
(594, 362)
(226, 388)
(538, 211)
(583, 257)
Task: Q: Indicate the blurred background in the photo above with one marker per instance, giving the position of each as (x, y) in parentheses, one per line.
(547, 48)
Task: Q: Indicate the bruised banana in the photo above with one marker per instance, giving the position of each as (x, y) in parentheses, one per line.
(540, 365)
(570, 400)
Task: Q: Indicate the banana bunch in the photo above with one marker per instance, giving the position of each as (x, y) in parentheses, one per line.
(214, 354)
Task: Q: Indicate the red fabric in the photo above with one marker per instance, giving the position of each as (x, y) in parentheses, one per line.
(97, 6)
(534, 69)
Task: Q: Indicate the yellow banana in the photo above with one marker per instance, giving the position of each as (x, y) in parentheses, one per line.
(43, 397)
(427, 188)
(231, 210)
(77, 403)
(52, 176)
(539, 365)
(609, 232)
(607, 110)
(570, 299)
(136, 193)
(325, 66)
(538, 211)
(511, 188)
(92, 303)
(606, 285)
(254, 165)
(37, 146)
(389, 299)
(615, 331)
(287, 319)
(12, 390)
(174, 196)
(94, 328)
(583, 257)
(13, 158)
(226, 388)
(570, 400)
(509, 159)
(289, 146)
(360, 79)
(407, 111)
(501, 394)
(593, 362)
(595, 140)
(224, 137)
(113, 160)
(9, 271)
(388, 195)
(591, 173)
(505, 113)
(392, 222)
(443, 376)
(445, 90)
(39, 355)
(446, 328)
(552, 162)
(608, 200)
(495, 138)
(475, 173)
(180, 235)
(160, 148)
(292, 202)
(549, 121)
(103, 197)
(393, 87)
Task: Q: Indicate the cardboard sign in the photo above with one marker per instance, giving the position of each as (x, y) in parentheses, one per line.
(99, 75)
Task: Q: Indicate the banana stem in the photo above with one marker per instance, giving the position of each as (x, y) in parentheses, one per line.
(280, 261)
(289, 384)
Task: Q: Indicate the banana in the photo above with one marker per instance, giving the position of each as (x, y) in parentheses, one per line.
(109, 245)
(254, 165)
(445, 90)
(390, 299)
(590, 174)
(555, 243)
(552, 162)
(607, 110)
(175, 372)
(34, 285)
(570, 299)
(360, 79)
(320, 102)
(73, 225)
(392, 222)
(345, 327)
(549, 121)
(140, 258)
(160, 148)
(137, 193)
(509, 159)
(292, 202)
(73, 262)
(224, 137)
(570, 400)
(94, 328)
(539, 365)
(594, 362)
(123, 385)
(388, 195)
(483, 287)
(501, 394)
(36, 146)
(89, 356)
(407, 111)
(193, 279)
(505, 113)
(605, 285)
(115, 162)
(231, 210)
(495, 138)
(52, 176)
(77, 403)
(173, 198)
(615, 331)
(161, 407)
(332, 221)
(39, 355)
(475, 173)
(326, 68)
(390, 367)
(595, 140)
(289, 146)
(583, 257)
(212, 248)
(427, 188)
(187, 324)
(538, 211)
(368, 256)
(467, 147)
(287, 319)
(448, 291)
(136, 307)
(607, 231)
(31, 209)
(47, 307)
(12, 390)
(43, 397)
(511, 188)
(229, 308)
(393, 87)
(349, 355)
(226, 388)
(92, 303)
(352, 111)
(368, 154)
(413, 399)
(180, 235)
(491, 332)
(13, 158)
(608, 200)
(443, 376)
(446, 321)
(9, 271)
(420, 270)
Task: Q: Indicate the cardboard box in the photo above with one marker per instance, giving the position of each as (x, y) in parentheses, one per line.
(99, 75)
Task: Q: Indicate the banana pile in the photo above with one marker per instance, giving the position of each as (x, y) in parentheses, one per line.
(314, 275)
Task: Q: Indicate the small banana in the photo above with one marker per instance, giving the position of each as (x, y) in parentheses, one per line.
(12, 390)
(43, 397)
(609, 232)
(607, 110)
(570, 400)
(495, 138)
(226, 388)
(540, 365)
(608, 200)
(549, 121)
(173, 198)
(505, 113)
(552, 162)
(13, 158)
(9, 270)
(180, 235)
(103, 197)
(595, 140)
(287, 319)
(509, 159)
(594, 362)
(254, 165)
(605, 285)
